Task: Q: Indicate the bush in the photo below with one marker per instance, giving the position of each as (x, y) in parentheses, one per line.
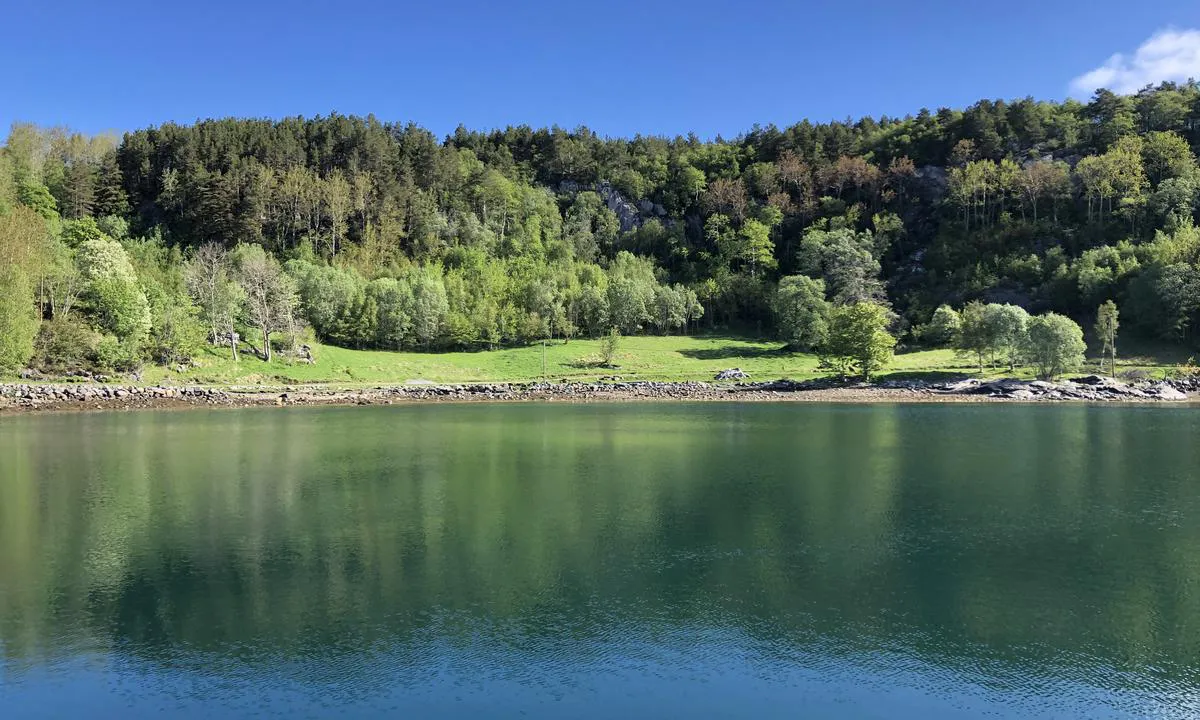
(178, 333)
(64, 344)
(114, 355)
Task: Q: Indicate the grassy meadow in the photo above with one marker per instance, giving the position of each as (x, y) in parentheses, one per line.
(638, 358)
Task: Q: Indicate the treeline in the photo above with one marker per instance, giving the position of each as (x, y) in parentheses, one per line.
(520, 234)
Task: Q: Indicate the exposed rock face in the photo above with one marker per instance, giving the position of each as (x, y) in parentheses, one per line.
(732, 374)
(627, 214)
(932, 182)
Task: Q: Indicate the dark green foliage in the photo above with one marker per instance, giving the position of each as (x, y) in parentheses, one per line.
(398, 239)
(802, 312)
(65, 344)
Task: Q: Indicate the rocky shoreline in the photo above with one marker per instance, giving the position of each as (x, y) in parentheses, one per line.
(15, 397)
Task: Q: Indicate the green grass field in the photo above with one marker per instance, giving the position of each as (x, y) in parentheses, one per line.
(638, 358)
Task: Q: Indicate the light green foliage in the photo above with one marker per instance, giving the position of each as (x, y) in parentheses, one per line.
(334, 300)
(1007, 327)
(1115, 180)
(8, 183)
(631, 290)
(393, 307)
(1175, 201)
(609, 345)
(1166, 155)
(592, 309)
(35, 195)
(111, 290)
(114, 226)
(514, 227)
(77, 232)
(1055, 345)
(590, 227)
(1101, 271)
(802, 312)
(270, 294)
(975, 336)
(1164, 298)
(430, 309)
(846, 261)
(177, 332)
(991, 332)
(858, 339)
(672, 307)
(111, 354)
(944, 327)
(755, 249)
(209, 280)
(18, 319)
(629, 304)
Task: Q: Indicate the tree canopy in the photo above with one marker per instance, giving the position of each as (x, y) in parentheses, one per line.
(394, 238)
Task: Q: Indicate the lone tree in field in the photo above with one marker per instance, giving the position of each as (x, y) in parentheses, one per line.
(270, 295)
(1055, 345)
(1106, 330)
(858, 340)
(608, 346)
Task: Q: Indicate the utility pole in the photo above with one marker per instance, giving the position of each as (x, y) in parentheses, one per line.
(543, 359)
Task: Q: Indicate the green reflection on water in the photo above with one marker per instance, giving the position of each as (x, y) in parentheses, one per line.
(1017, 545)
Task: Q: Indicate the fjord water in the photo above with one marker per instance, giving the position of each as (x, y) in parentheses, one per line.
(619, 560)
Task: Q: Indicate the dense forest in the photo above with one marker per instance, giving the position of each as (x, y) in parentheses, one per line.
(368, 234)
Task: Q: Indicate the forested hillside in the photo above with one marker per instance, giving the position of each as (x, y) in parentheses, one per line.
(117, 251)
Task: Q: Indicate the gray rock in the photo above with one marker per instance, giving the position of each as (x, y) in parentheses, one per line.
(627, 214)
(1164, 391)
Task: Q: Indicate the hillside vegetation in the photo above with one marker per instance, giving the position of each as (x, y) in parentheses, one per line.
(841, 240)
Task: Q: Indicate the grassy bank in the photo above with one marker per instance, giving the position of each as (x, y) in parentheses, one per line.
(638, 358)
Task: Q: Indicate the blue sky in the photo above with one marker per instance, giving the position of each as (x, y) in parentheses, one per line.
(619, 66)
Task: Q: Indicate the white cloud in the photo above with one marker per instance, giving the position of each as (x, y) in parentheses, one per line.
(1168, 55)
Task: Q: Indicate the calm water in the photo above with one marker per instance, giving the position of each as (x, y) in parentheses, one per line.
(602, 561)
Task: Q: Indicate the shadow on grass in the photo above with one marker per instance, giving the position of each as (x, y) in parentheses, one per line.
(728, 352)
(1150, 352)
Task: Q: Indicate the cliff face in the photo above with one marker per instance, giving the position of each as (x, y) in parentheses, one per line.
(629, 215)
